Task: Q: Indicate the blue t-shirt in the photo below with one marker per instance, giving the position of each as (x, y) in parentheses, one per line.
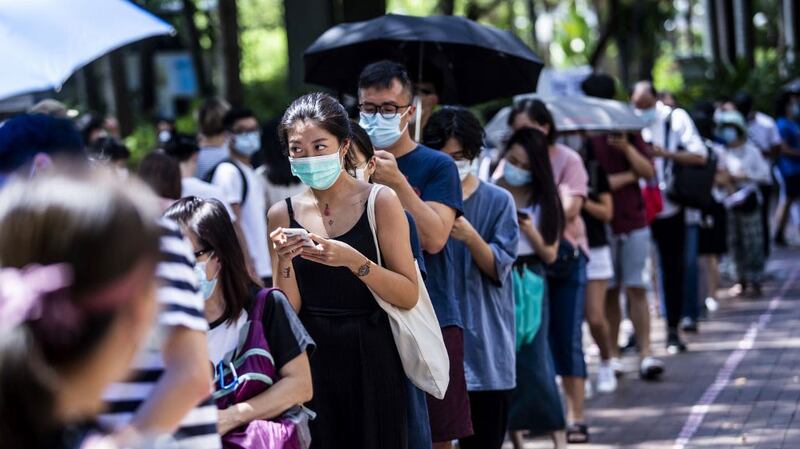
(790, 133)
(487, 306)
(434, 177)
(416, 249)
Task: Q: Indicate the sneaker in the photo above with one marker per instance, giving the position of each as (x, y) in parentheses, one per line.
(674, 343)
(712, 305)
(616, 367)
(651, 368)
(630, 346)
(689, 325)
(606, 380)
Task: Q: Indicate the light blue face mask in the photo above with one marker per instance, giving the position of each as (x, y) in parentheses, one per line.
(248, 143)
(317, 172)
(516, 176)
(205, 285)
(647, 115)
(383, 132)
(729, 135)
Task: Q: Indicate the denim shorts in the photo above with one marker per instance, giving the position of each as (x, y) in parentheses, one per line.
(566, 299)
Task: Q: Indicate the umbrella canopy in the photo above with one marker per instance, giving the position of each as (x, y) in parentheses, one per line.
(577, 113)
(42, 42)
(475, 62)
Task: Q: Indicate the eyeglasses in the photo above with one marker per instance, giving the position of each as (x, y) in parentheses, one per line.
(387, 110)
(202, 252)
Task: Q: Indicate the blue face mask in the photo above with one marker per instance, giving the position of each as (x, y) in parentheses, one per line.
(383, 132)
(729, 135)
(317, 172)
(516, 176)
(205, 285)
(247, 144)
(647, 115)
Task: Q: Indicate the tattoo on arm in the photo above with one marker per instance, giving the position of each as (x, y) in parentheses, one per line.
(287, 272)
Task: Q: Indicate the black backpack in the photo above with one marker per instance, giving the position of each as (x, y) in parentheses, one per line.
(691, 184)
(210, 175)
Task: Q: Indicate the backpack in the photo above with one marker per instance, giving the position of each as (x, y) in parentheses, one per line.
(210, 175)
(691, 184)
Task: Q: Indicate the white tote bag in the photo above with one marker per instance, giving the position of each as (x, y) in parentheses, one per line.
(416, 331)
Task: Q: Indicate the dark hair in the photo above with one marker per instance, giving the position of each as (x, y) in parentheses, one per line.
(537, 111)
(181, 146)
(90, 124)
(210, 222)
(544, 191)
(703, 116)
(454, 122)
(23, 136)
(599, 85)
(782, 102)
(211, 115)
(360, 138)
(102, 228)
(651, 88)
(381, 74)
(277, 168)
(108, 148)
(744, 103)
(321, 109)
(162, 173)
(234, 115)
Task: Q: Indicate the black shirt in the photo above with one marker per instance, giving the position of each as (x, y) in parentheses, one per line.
(598, 184)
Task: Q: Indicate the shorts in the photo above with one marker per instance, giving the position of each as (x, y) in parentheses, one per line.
(600, 266)
(450, 417)
(629, 253)
(567, 310)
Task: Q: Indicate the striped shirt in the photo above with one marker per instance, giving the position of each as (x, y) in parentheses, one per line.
(181, 305)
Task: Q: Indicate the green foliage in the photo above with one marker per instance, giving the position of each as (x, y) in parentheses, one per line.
(141, 141)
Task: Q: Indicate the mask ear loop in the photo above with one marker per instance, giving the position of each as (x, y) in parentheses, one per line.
(418, 120)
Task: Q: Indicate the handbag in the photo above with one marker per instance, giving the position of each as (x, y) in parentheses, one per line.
(416, 331)
(528, 296)
(249, 372)
(653, 201)
(691, 184)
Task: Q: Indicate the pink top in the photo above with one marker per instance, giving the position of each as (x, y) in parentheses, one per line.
(572, 179)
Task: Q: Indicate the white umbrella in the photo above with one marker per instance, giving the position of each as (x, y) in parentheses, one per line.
(42, 42)
(575, 113)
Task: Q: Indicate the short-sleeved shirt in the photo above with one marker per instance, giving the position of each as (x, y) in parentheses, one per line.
(180, 306)
(285, 334)
(434, 177)
(572, 179)
(208, 158)
(790, 132)
(416, 248)
(598, 185)
(763, 132)
(487, 306)
(253, 220)
(629, 212)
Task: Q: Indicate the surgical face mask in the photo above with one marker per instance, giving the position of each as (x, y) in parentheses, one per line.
(248, 143)
(164, 136)
(383, 132)
(729, 135)
(648, 115)
(361, 174)
(464, 168)
(317, 172)
(205, 285)
(516, 176)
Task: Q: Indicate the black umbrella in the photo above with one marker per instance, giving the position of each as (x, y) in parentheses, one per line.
(476, 62)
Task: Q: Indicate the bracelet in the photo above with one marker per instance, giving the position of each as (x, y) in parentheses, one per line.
(363, 270)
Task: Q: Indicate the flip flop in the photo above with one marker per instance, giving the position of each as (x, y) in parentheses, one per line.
(577, 433)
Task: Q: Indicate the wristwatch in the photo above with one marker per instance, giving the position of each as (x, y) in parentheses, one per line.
(363, 270)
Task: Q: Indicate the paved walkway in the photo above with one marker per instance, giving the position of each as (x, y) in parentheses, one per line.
(737, 387)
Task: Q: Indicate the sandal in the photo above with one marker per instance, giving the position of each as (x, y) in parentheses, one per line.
(577, 433)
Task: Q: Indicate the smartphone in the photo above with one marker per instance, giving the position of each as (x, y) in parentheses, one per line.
(523, 215)
(291, 232)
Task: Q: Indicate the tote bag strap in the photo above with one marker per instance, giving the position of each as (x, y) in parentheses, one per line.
(373, 196)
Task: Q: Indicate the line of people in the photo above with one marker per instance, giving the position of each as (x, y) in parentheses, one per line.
(517, 252)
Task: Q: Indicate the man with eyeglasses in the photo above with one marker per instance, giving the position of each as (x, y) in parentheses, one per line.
(429, 187)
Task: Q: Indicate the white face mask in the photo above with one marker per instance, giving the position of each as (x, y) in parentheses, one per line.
(361, 174)
(247, 144)
(464, 169)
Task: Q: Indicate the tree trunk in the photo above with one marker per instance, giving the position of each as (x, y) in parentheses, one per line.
(446, 7)
(302, 29)
(147, 81)
(193, 42)
(608, 31)
(231, 53)
(122, 100)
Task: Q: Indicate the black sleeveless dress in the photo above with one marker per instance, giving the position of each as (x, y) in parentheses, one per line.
(359, 383)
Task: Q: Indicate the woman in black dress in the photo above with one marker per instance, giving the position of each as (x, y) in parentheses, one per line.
(359, 383)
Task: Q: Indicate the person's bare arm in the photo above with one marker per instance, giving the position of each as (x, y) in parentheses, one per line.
(280, 252)
(293, 387)
(434, 220)
(545, 252)
(603, 209)
(640, 165)
(572, 205)
(621, 179)
(185, 383)
(680, 157)
(481, 252)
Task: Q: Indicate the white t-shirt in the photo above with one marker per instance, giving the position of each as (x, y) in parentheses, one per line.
(192, 186)
(763, 132)
(747, 160)
(683, 133)
(524, 245)
(253, 220)
(224, 338)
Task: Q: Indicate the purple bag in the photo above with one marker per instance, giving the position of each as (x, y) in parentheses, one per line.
(249, 373)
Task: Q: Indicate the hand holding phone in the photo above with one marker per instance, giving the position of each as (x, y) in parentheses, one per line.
(302, 233)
